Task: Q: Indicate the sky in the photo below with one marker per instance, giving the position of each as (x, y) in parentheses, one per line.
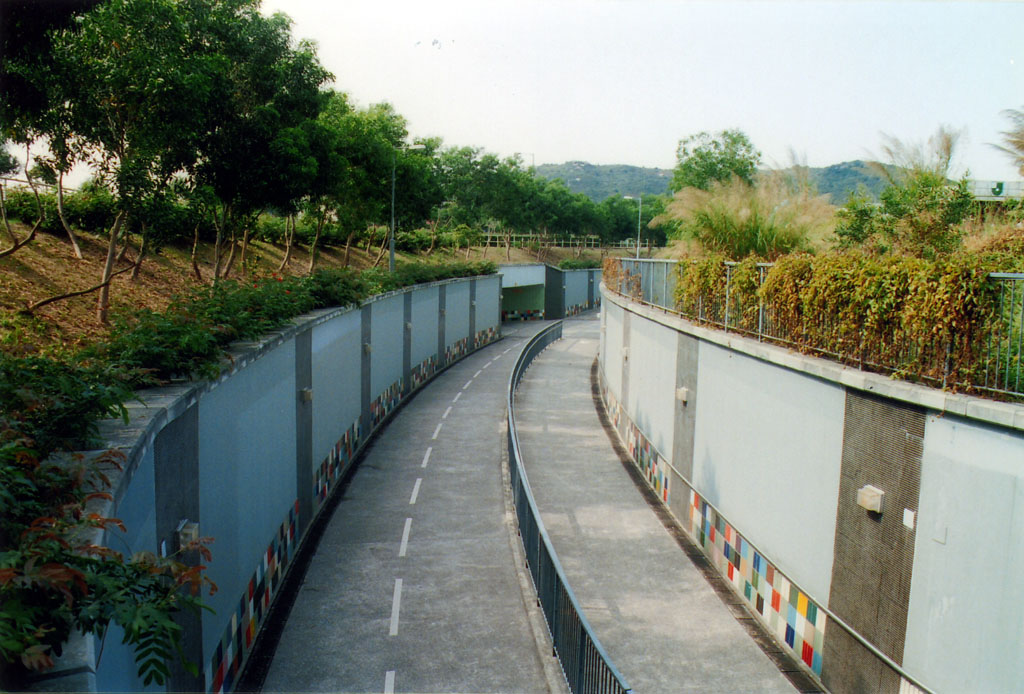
(623, 81)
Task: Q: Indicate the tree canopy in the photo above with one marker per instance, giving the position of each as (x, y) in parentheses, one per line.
(703, 159)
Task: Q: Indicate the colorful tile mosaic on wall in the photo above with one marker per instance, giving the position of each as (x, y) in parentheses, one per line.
(382, 406)
(422, 372)
(456, 350)
(650, 462)
(789, 614)
(531, 314)
(225, 665)
(611, 404)
(786, 610)
(334, 464)
(485, 337)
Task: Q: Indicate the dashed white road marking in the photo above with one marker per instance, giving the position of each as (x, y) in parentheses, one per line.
(478, 372)
(396, 604)
(415, 491)
(437, 430)
(468, 384)
(426, 456)
(405, 538)
(457, 396)
(447, 412)
(486, 365)
(389, 682)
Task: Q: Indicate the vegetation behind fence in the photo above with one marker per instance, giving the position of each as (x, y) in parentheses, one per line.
(953, 322)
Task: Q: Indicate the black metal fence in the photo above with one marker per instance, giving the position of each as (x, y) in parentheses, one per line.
(585, 664)
(996, 366)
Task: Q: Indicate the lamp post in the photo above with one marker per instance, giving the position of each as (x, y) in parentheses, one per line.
(391, 231)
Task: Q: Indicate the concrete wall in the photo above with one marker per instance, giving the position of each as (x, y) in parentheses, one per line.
(542, 291)
(253, 457)
(522, 275)
(759, 451)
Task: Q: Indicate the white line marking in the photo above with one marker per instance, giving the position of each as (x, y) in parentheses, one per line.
(468, 384)
(447, 412)
(507, 350)
(437, 430)
(389, 682)
(426, 456)
(486, 365)
(396, 603)
(415, 491)
(478, 372)
(457, 396)
(405, 537)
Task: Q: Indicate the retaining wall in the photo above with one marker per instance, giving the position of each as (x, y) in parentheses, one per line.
(759, 452)
(253, 457)
(535, 291)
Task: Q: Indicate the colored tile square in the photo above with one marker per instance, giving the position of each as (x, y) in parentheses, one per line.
(808, 654)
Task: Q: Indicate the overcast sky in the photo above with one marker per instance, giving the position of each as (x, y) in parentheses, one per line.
(621, 82)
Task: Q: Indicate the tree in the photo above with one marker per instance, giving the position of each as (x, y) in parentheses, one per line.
(258, 152)
(921, 211)
(1013, 139)
(703, 159)
(145, 72)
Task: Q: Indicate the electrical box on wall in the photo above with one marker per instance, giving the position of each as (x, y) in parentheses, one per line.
(870, 498)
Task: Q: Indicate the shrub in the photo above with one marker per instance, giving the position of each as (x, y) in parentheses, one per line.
(578, 264)
(737, 219)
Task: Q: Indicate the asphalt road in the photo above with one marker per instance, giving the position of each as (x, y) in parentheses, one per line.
(416, 585)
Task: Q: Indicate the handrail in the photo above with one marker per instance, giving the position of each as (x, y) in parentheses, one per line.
(584, 661)
(998, 369)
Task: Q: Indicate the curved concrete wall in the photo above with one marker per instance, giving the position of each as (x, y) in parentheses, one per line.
(759, 453)
(254, 456)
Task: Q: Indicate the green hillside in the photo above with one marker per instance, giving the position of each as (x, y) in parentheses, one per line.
(840, 180)
(601, 181)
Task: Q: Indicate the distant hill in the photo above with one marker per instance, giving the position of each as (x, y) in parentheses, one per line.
(601, 181)
(840, 180)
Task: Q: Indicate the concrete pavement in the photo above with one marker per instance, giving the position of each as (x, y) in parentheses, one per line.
(660, 621)
(416, 584)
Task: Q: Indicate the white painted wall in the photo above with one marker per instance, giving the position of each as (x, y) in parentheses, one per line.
(965, 627)
(767, 451)
(611, 349)
(652, 381)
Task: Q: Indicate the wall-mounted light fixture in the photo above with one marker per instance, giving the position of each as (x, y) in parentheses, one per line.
(871, 498)
(188, 532)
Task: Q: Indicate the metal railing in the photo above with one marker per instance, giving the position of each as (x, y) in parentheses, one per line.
(584, 662)
(996, 365)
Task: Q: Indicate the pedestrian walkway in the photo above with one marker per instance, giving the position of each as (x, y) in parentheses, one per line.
(661, 623)
(416, 585)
